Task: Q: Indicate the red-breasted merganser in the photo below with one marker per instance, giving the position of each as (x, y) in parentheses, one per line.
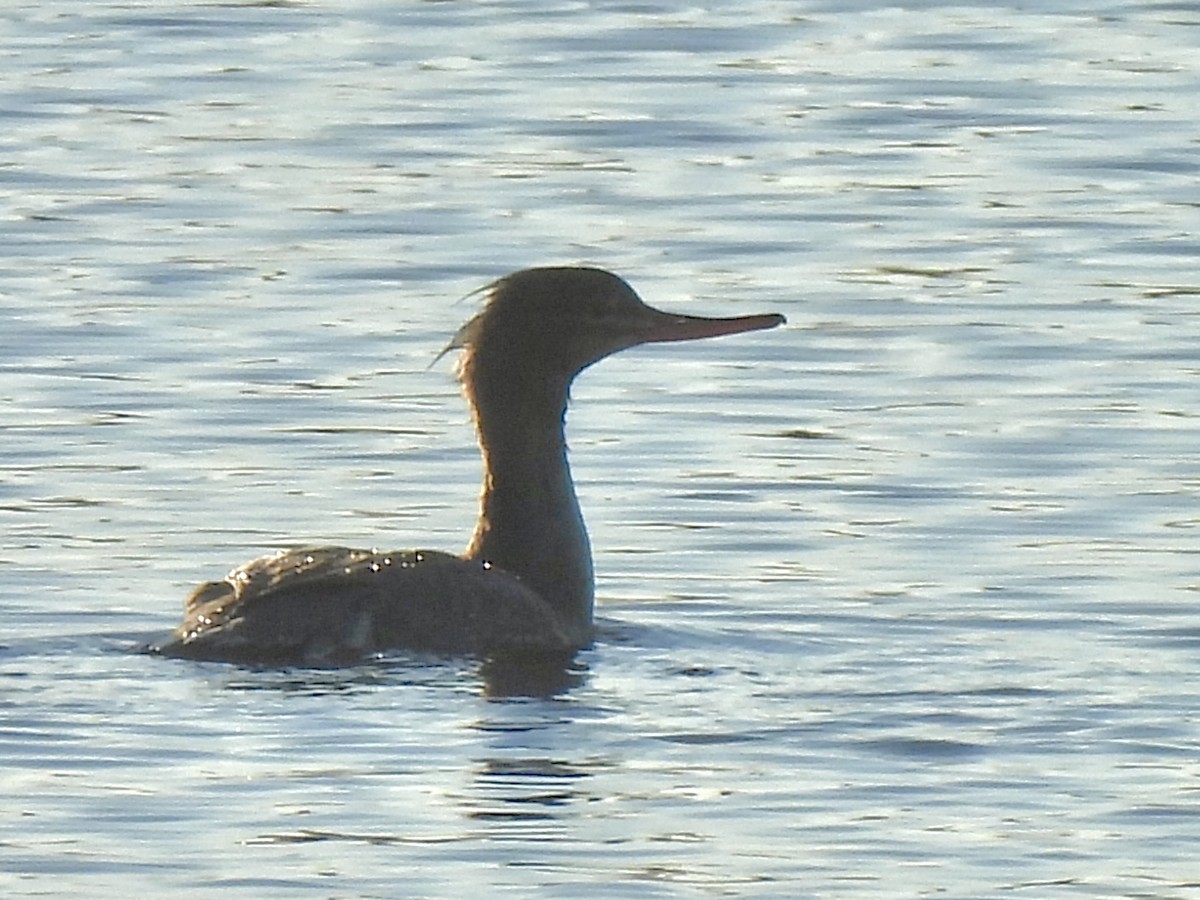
(524, 584)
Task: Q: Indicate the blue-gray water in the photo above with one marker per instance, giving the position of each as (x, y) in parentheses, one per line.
(898, 601)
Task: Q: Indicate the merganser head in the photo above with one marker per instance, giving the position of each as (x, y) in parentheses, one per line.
(551, 323)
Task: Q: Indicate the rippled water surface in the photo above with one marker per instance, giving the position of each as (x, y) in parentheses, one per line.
(900, 600)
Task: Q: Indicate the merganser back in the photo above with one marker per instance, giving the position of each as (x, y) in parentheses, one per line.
(524, 583)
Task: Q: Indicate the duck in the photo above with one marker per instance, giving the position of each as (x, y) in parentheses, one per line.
(524, 587)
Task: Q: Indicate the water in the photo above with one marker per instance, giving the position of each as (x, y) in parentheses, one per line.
(897, 601)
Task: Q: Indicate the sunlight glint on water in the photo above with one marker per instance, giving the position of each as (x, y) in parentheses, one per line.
(900, 600)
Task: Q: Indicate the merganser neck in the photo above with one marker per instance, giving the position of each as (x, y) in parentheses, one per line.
(529, 522)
